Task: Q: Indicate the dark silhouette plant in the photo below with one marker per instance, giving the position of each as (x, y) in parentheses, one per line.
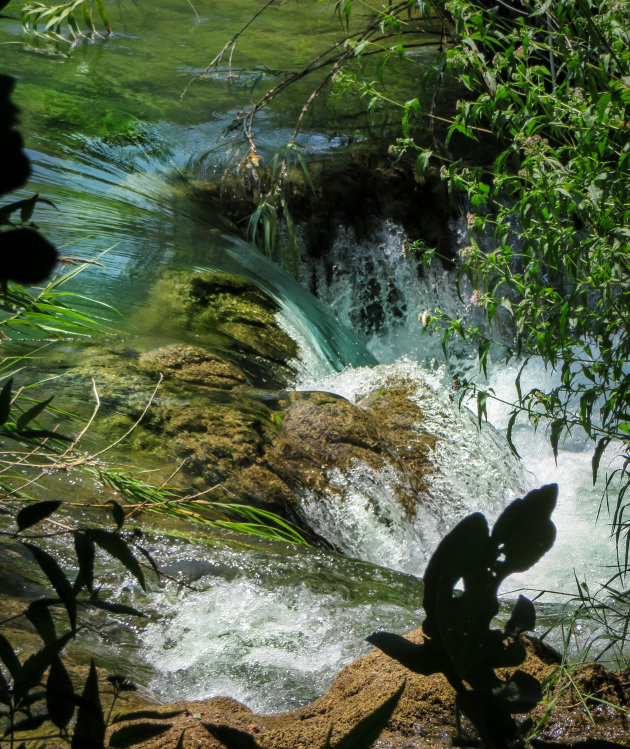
(458, 639)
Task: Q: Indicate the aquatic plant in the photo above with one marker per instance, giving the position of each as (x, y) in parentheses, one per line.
(75, 17)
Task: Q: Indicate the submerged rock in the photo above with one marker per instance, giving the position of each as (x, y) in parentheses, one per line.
(380, 477)
(425, 715)
(192, 364)
(227, 315)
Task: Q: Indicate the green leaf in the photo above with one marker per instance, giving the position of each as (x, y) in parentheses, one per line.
(89, 730)
(101, 9)
(508, 434)
(31, 414)
(482, 397)
(597, 455)
(113, 544)
(556, 430)
(136, 734)
(32, 514)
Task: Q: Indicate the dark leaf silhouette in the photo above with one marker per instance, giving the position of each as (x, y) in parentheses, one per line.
(113, 544)
(89, 730)
(230, 737)
(459, 641)
(60, 698)
(367, 730)
(32, 514)
(58, 580)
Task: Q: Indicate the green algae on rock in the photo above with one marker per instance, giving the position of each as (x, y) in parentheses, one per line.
(227, 315)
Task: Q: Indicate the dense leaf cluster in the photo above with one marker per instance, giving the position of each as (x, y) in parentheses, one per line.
(548, 255)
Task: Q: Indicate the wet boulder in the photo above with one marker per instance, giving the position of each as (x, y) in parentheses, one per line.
(227, 315)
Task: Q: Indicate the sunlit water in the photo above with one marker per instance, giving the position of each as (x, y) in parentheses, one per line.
(123, 158)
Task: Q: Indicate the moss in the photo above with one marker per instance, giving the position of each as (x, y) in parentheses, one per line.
(229, 316)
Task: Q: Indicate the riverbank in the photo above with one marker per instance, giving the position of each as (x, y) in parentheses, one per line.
(591, 703)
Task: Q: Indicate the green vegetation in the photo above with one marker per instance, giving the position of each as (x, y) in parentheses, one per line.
(75, 17)
(543, 96)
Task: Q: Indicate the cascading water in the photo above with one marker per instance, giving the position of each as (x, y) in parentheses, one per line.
(376, 289)
(267, 624)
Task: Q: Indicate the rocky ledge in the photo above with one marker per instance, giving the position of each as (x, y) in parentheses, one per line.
(588, 708)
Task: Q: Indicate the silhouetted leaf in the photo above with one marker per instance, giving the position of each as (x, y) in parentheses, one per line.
(524, 531)
(9, 658)
(35, 665)
(180, 743)
(230, 737)
(27, 258)
(38, 614)
(523, 617)
(5, 401)
(150, 560)
(367, 730)
(89, 730)
(519, 694)
(58, 580)
(32, 514)
(117, 513)
(412, 656)
(32, 413)
(328, 744)
(5, 695)
(113, 544)
(60, 699)
(136, 734)
(85, 551)
(556, 430)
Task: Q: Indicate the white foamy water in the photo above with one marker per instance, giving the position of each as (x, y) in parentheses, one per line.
(471, 470)
(375, 289)
(269, 625)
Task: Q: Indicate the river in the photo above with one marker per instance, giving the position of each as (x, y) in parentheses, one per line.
(125, 159)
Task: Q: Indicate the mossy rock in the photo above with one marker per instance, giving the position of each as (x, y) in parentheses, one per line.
(228, 316)
(194, 365)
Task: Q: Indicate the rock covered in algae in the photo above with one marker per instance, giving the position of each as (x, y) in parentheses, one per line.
(227, 315)
(192, 364)
(425, 715)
